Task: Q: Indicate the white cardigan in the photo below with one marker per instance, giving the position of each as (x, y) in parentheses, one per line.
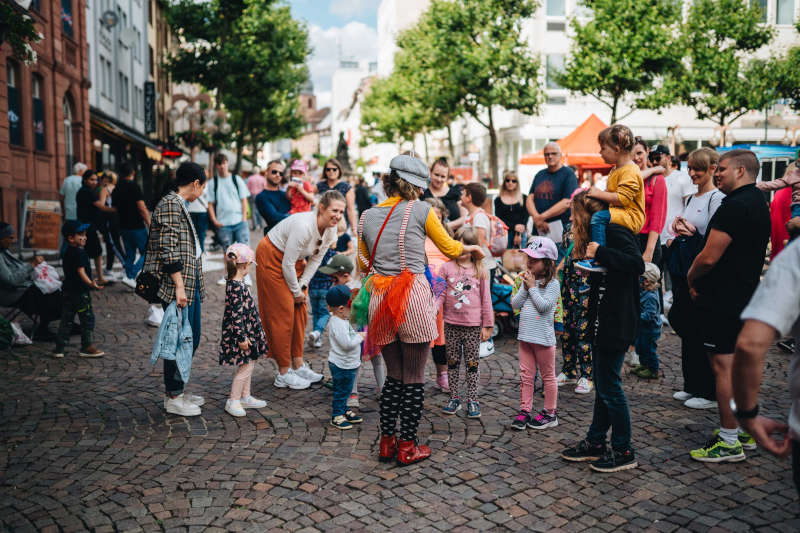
(297, 236)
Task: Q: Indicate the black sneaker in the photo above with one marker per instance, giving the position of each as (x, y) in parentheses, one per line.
(521, 421)
(353, 417)
(584, 451)
(615, 461)
(786, 345)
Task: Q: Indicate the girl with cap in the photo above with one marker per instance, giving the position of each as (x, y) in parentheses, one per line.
(402, 307)
(537, 300)
(243, 339)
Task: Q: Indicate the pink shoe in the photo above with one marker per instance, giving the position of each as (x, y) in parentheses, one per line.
(443, 382)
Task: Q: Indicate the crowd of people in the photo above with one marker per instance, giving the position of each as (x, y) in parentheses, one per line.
(406, 270)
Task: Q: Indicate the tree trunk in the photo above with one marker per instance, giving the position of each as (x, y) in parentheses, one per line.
(614, 110)
(240, 144)
(450, 143)
(493, 163)
(425, 144)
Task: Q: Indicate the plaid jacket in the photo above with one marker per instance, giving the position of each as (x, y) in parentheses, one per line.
(171, 248)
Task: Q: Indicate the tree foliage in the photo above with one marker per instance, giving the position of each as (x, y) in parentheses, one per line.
(621, 54)
(18, 29)
(252, 54)
(788, 76)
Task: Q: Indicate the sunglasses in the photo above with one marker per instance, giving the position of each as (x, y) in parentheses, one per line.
(510, 181)
(274, 172)
(331, 169)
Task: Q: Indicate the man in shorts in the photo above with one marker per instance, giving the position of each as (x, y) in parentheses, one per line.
(721, 280)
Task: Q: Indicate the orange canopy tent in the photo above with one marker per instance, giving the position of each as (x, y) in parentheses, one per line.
(580, 148)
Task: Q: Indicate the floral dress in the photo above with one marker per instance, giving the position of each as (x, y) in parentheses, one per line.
(239, 322)
(576, 341)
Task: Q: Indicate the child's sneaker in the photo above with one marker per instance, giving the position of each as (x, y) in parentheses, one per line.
(615, 461)
(563, 379)
(353, 417)
(486, 349)
(584, 451)
(543, 420)
(589, 265)
(443, 382)
(584, 386)
(253, 403)
(473, 410)
(234, 408)
(340, 422)
(352, 400)
(58, 353)
(91, 351)
(521, 421)
(451, 407)
(645, 372)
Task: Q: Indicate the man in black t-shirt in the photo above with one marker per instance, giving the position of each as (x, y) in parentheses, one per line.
(134, 219)
(722, 279)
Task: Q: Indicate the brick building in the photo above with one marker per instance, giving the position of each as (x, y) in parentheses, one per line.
(44, 107)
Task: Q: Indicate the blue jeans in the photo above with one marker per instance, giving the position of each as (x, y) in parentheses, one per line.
(795, 210)
(173, 383)
(200, 221)
(319, 309)
(610, 404)
(134, 240)
(647, 346)
(343, 380)
(598, 226)
(236, 233)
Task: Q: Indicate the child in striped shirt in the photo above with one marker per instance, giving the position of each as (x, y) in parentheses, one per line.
(537, 300)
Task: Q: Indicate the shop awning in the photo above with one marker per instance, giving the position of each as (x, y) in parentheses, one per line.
(126, 133)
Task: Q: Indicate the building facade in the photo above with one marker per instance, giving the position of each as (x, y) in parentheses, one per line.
(44, 108)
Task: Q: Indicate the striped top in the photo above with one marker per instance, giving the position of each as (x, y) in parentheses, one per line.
(537, 307)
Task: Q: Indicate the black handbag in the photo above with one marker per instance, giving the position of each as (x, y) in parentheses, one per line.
(147, 285)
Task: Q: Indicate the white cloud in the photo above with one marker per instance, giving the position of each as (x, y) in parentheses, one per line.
(355, 40)
(351, 8)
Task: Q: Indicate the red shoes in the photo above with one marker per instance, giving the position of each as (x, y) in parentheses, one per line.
(388, 449)
(408, 453)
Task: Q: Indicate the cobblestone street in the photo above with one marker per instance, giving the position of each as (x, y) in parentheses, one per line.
(86, 445)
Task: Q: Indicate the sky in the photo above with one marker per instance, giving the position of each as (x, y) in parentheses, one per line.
(346, 27)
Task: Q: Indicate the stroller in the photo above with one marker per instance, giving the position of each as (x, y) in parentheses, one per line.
(505, 320)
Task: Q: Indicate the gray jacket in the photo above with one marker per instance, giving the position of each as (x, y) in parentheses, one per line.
(15, 278)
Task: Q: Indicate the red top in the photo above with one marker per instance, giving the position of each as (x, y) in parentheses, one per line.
(298, 201)
(655, 204)
(779, 213)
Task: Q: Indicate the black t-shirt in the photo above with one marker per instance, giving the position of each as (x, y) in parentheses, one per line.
(74, 258)
(744, 216)
(511, 214)
(550, 188)
(88, 213)
(125, 197)
(450, 201)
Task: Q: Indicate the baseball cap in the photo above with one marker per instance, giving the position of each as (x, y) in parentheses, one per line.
(338, 263)
(240, 253)
(338, 295)
(71, 227)
(541, 248)
(300, 165)
(651, 272)
(660, 149)
(411, 169)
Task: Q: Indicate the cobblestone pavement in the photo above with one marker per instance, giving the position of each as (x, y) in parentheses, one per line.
(86, 445)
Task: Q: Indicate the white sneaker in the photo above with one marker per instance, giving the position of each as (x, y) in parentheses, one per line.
(584, 386)
(179, 406)
(664, 320)
(253, 403)
(222, 281)
(194, 399)
(562, 379)
(292, 380)
(248, 280)
(682, 396)
(700, 403)
(632, 358)
(155, 314)
(307, 374)
(313, 336)
(128, 282)
(317, 343)
(486, 349)
(234, 407)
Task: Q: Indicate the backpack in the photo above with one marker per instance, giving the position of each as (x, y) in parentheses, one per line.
(498, 233)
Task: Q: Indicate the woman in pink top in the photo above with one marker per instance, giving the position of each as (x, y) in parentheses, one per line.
(435, 260)
(255, 184)
(655, 203)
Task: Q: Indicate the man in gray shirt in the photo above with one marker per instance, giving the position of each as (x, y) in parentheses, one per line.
(774, 310)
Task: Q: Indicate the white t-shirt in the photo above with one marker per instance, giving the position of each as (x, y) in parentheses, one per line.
(701, 208)
(679, 186)
(345, 343)
(481, 220)
(777, 302)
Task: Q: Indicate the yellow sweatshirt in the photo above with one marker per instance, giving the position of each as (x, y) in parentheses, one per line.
(627, 182)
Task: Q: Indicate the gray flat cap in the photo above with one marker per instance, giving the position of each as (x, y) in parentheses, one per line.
(411, 169)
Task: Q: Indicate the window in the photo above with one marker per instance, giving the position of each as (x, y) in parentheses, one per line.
(784, 12)
(14, 108)
(124, 92)
(555, 65)
(36, 5)
(38, 114)
(763, 5)
(68, 134)
(556, 8)
(152, 62)
(66, 17)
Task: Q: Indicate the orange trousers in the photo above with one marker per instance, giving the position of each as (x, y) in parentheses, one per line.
(284, 321)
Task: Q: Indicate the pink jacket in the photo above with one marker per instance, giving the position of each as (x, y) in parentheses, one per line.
(467, 300)
(790, 179)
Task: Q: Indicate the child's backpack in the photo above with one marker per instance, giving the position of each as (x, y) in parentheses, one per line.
(498, 233)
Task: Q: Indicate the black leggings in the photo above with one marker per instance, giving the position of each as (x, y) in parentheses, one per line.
(439, 354)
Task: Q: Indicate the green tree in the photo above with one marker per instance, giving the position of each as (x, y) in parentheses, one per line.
(252, 55)
(788, 76)
(719, 78)
(19, 31)
(620, 55)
